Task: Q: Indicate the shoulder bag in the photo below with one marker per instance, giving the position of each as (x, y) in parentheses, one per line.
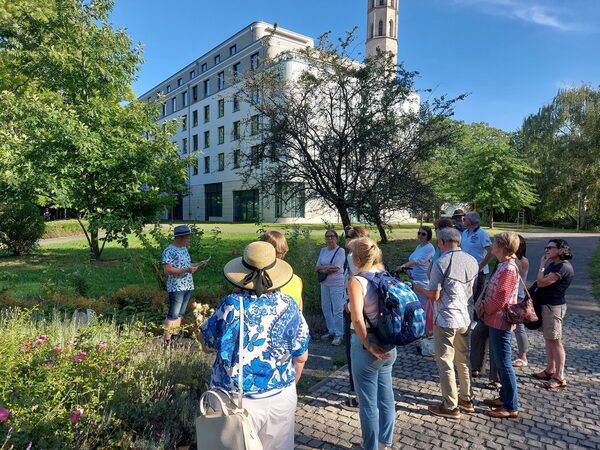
(523, 312)
(321, 276)
(231, 428)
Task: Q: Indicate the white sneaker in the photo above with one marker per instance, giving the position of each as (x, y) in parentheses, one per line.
(337, 340)
(326, 336)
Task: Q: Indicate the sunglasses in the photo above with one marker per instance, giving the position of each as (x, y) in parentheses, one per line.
(421, 233)
(329, 237)
(549, 247)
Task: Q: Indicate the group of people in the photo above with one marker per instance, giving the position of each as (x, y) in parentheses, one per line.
(447, 278)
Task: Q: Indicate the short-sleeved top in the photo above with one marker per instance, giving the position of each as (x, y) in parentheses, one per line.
(275, 332)
(475, 242)
(179, 258)
(371, 306)
(422, 255)
(554, 294)
(502, 290)
(453, 274)
(337, 278)
(294, 289)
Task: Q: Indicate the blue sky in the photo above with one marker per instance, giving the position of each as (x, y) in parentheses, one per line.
(511, 55)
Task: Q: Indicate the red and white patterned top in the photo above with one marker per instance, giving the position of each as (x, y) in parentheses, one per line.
(502, 290)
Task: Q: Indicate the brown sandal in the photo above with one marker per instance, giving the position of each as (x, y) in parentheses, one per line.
(555, 383)
(543, 375)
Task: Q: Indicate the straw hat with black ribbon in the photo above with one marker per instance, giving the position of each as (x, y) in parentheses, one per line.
(258, 270)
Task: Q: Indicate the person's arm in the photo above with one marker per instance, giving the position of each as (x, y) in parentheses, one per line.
(357, 303)
(170, 270)
(205, 349)
(434, 289)
(299, 362)
(545, 280)
(498, 299)
(488, 257)
(431, 295)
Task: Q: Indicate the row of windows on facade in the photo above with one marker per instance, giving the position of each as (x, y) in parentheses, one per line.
(235, 72)
(235, 133)
(236, 160)
(220, 105)
(391, 3)
(381, 29)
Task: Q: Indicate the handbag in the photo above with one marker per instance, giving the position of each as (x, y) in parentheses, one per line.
(537, 307)
(231, 428)
(321, 276)
(523, 312)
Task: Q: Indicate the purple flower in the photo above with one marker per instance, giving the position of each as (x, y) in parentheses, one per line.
(4, 413)
(58, 349)
(76, 415)
(80, 357)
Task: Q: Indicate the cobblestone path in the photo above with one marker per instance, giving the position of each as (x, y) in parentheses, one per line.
(565, 419)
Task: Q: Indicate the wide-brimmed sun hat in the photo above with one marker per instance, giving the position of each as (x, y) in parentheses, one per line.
(181, 230)
(458, 212)
(258, 270)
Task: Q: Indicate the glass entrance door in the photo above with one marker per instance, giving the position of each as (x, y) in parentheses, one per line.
(245, 206)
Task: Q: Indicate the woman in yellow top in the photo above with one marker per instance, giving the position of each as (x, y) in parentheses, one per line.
(294, 287)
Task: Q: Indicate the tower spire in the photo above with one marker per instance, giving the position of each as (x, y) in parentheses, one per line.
(382, 27)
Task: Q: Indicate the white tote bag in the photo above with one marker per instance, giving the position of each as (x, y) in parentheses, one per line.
(231, 428)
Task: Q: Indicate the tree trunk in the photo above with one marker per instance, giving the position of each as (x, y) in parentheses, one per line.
(381, 229)
(343, 212)
(95, 251)
(492, 217)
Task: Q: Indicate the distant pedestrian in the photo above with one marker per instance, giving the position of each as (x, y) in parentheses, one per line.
(502, 291)
(520, 331)
(330, 267)
(451, 289)
(371, 362)
(177, 264)
(459, 220)
(553, 279)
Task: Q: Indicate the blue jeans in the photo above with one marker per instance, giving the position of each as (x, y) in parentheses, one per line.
(332, 303)
(373, 385)
(178, 301)
(501, 353)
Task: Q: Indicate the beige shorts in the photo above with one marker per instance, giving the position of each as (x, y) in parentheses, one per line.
(552, 320)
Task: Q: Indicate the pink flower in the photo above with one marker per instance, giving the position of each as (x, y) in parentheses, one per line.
(38, 342)
(76, 415)
(70, 342)
(234, 251)
(80, 357)
(42, 338)
(102, 345)
(50, 364)
(4, 413)
(58, 349)
(27, 344)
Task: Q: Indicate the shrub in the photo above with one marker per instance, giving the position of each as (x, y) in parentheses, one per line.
(138, 302)
(101, 386)
(21, 226)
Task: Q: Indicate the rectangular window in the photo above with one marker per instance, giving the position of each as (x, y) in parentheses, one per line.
(255, 155)
(206, 113)
(254, 125)
(192, 74)
(179, 81)
(254, 61)
(207, 164)
(195, 168)
(195, 142)
(221, 107)
(221, 81)
(195, 118)
(184, 99)
(184, 146)
(236, 71)
(204, 67)
(254, 98)
(221, 135)
(290, 200)
(235, 134)
(207, 87)
(206, 139)
(195, 93)
(168, 88)
(236, 102)
(217, 59)
(213, 200)
(184, 122)
(164, 109)
(221, 157)
(237, 159)
(174, 104)
(232, 50)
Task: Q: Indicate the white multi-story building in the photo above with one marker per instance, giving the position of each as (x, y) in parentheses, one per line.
(217, 126)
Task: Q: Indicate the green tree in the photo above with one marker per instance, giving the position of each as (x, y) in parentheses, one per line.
(71, 129)
(494, 175)
(562, 141)
(344, 133)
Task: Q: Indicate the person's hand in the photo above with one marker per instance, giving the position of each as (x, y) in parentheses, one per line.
(333, 269)
(543, 261)
(400, 268)
(192, 269)
(202, 264)
(377, 351)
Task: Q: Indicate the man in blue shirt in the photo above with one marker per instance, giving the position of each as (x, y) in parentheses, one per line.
(476, 242)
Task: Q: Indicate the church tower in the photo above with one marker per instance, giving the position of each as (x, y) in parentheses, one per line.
(382, 27)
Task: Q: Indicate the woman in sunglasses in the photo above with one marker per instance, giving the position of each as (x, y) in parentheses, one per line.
(420, 260)
(553, 278)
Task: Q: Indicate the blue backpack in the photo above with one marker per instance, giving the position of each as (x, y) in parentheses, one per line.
(401, 317)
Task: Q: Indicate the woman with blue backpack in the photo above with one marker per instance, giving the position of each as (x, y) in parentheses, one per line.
(371, 361)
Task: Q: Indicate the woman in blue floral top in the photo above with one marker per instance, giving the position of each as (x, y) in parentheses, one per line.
(275, 343)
